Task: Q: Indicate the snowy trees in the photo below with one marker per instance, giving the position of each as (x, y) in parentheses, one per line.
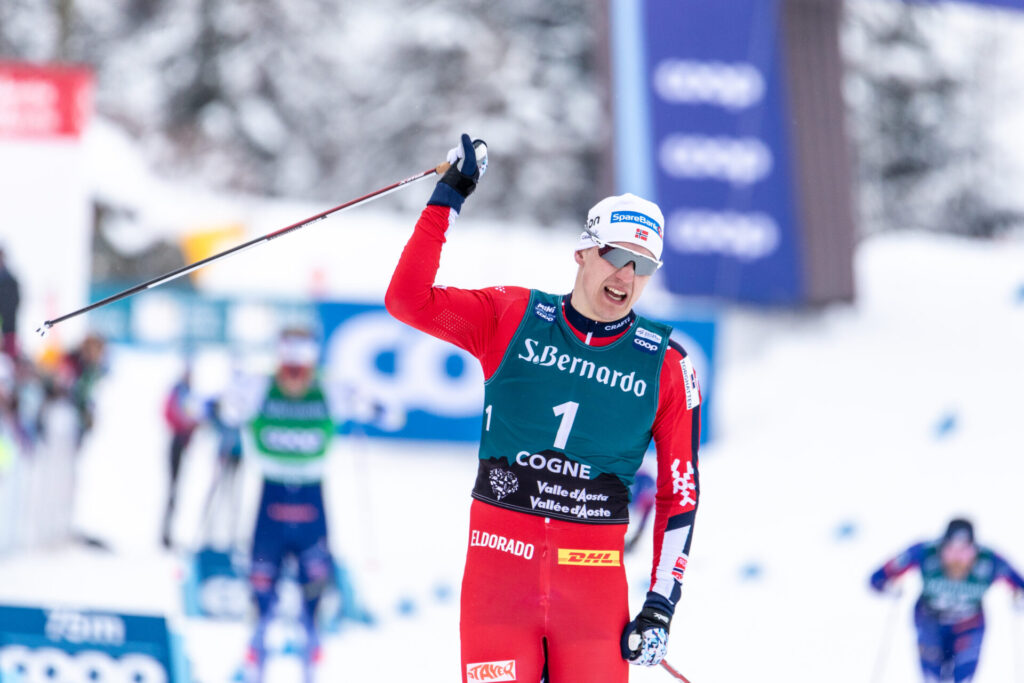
(925, 97)
(326, 98)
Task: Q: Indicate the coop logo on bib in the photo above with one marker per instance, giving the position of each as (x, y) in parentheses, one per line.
(492, 671)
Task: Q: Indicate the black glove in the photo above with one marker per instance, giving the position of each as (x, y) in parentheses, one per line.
(645, 639)
(461, 178)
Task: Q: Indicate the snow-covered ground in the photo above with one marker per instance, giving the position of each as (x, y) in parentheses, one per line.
(842, 436)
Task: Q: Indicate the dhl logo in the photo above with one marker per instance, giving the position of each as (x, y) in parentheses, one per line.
(600, 558)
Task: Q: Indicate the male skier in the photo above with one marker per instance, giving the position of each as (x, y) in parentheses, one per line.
(576, 386)
(955, 573)
(291, 422)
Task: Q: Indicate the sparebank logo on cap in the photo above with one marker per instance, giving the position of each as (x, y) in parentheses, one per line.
(636, 217)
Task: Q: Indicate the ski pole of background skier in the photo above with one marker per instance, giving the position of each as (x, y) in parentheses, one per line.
(1017, 645)
(882, 655)
(185, 270)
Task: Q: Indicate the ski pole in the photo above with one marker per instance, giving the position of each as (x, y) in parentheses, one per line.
(1015, 632)
(883, 647)
(675, 674)
(185, 270)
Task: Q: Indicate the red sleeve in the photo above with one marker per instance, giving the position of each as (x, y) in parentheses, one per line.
(480, 321)
(177, 417)
(676, 438)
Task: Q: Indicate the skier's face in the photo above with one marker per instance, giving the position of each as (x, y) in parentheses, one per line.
(294, 380)
(958, 558)
(603, 292)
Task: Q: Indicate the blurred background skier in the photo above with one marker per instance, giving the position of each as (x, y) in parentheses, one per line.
(181, 413)
(955, 572)
(10, 299)
(223, 496)
(291, 421)
(544, 587)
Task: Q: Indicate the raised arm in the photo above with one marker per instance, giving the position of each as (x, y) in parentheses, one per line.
(897, 566)
(472, 319)
(1006, 572)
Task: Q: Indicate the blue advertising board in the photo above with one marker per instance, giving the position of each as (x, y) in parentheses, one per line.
(1012, 4)
(39, 644)
(428, 389)
(720, 147)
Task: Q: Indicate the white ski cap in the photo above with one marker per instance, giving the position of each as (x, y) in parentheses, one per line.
(297, 348)
(625, 218)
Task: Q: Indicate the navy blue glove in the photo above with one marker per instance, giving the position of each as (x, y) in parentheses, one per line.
(645, 639)
(468, 165)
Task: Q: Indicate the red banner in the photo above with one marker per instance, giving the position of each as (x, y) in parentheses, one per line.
(44, 101)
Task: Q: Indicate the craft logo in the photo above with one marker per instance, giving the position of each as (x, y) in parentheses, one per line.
(593, 558)
(492, 671)
(641, 234)
(616, 325)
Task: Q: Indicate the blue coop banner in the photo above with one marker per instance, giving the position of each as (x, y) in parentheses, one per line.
(721, 150)
(429, 389)
(424, 388)
(1012, 4)
(38, 644)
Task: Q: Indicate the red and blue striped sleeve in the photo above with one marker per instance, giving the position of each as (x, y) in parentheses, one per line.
(676, 439)
(1006, 572)
(898, 566)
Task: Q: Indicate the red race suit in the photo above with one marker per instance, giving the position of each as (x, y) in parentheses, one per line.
(538, 590)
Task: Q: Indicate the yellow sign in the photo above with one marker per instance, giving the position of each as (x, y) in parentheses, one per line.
(591, 558)
(203, 242)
